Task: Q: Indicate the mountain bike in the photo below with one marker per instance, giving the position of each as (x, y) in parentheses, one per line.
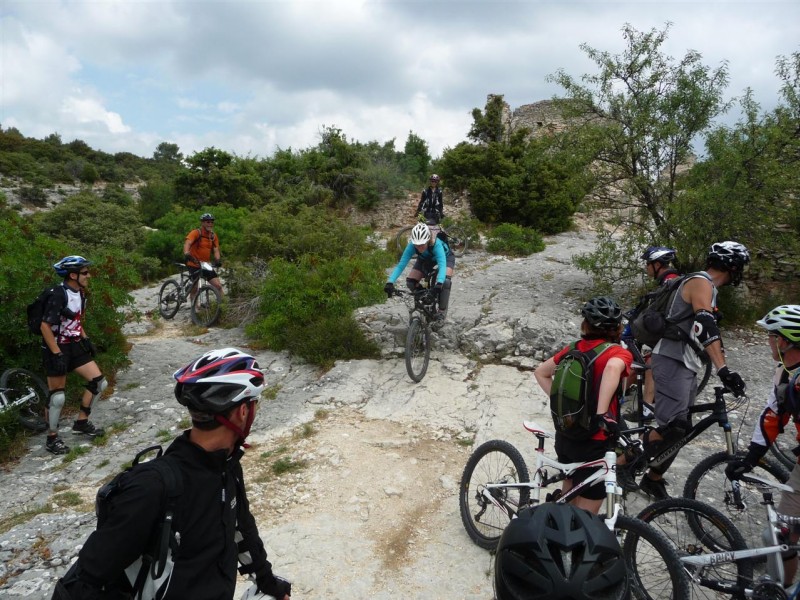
(24, 392)
(714, 554)
(456, 236)
(496, 484)
(206, 305)
(423, 309)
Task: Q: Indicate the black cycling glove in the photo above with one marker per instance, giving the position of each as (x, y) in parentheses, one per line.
(732, 380)
(607, 424)
(277, 587)
(187, 258)
(389, 288)
(437, 290)
(59, 364)
(218, 264)
(89, 346)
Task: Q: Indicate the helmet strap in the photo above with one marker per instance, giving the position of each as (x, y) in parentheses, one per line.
(241, 433)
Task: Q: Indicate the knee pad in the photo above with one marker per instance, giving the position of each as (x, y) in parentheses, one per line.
(54, 405)
(96, 386)
(411, 283)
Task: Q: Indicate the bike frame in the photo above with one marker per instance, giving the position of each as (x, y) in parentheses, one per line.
(774, 568)
(6, 405)
(605, 469)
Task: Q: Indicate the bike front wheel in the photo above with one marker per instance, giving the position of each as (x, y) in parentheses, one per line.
(695, 529)
(206, 306)
(458, 240)
(654, 568)
(26, 391)
(484, 517)
(739, 501)
(418, 349)
(169, 299)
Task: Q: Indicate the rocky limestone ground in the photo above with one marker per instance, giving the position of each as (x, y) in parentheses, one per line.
(367, 506)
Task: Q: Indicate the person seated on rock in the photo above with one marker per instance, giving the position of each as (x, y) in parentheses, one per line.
(429, 251)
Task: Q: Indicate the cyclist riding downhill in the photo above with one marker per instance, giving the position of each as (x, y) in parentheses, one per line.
(67, 348)
(431, 203)
(429, 250)
(675, 363)
(199, 246)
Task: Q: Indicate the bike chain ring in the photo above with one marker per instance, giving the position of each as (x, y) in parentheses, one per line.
(769, 590)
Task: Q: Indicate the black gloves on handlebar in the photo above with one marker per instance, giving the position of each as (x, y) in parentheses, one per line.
(187, 258)
(732, 380)
(437, 290)
(389, 288)
(218, 264)
(606, 423)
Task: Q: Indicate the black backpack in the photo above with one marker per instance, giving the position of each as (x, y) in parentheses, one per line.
(573, 395)
(35, 309)
(148, 575)
(651, 322)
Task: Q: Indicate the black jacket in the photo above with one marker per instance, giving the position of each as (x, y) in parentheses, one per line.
(431, 204)
(206, 517)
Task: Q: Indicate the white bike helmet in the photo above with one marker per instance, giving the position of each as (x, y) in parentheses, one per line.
(783, 320)
(421, 234)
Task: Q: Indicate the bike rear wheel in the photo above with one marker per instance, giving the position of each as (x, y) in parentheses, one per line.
(169, 299)
(206, 306)
(705, 373)
(742, 505)
(695, 529)
(495, 461)
(400, 240)
(26, 390)
(458, 240)
(654, 568)
(418, 349)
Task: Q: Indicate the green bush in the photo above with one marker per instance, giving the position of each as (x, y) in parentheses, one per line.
(514, 240)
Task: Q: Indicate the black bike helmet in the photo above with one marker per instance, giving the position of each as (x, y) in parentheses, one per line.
(729, 256)
(602, 312)
(559, 552)
(70, 264)
(218, 380)
(206, 217)
(660, 254)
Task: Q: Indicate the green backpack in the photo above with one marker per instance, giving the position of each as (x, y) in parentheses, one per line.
(573, 396)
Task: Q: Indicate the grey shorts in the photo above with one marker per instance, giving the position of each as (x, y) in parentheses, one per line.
(676, 389)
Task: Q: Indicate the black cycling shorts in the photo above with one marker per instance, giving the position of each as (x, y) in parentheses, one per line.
(76, 356)
(574, 451)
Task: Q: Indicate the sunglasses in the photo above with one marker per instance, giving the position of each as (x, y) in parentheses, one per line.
(208, 221)
(83, 273)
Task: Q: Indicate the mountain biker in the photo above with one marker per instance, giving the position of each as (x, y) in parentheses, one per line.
(602, 322)
(67, 348)
(212, 515)
(559, 552)
(783, 404)
(431, 203)
(198, 246)
(657, 265)
(429, 251)
(675, 362)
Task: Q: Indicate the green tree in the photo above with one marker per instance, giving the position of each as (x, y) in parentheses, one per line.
(417, 158)
(488, 126)
(641, 110)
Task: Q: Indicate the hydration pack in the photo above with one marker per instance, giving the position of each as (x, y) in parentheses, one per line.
(651, 322)
(573, 395)
(35, 310)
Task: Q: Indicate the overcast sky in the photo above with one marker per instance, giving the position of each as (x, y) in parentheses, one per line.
(249, 76)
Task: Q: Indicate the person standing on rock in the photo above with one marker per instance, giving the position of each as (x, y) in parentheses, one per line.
(66, 348)
(602, 323)
(675, 364)
(783, 404)
(430, 251)
(431, 203)
(199, 246)
(217, 531)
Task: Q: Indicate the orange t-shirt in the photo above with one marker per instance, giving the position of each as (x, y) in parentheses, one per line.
(202, 245)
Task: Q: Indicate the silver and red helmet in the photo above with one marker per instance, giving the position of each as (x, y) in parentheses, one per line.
(219, 380)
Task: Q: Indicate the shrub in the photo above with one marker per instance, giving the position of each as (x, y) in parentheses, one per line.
(514, 240)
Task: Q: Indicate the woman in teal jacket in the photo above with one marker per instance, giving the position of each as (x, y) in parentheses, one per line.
(429, 251)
